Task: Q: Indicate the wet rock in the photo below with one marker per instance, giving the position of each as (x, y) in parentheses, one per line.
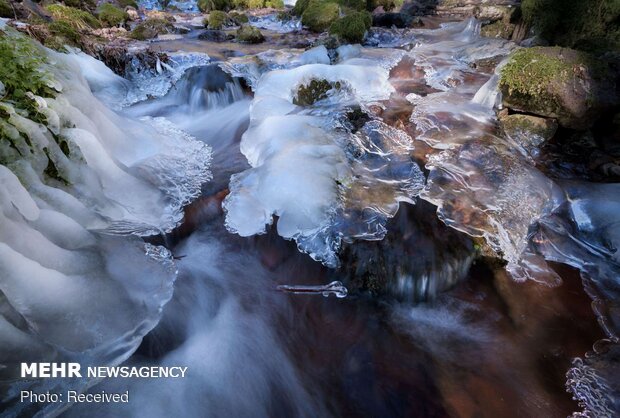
(388, 20)
(249, 34)
(150, 28)
(215, 36)
(529, 132)
(419, 7)
(499, 29)
(568, 85)
(180, 29)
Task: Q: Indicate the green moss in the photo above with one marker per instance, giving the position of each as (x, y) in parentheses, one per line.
(249, 34)
(529, 72)
(238, 18)
(300, 7)
(499, 29)
(217, 19)
(111, 15)
(64, 34)
(275, 4)
(78, 19)
(6, 10)
(352, 27)
(387, 5)
(319, 15)
(255, 4)
(209, 5)
(151, 28)
(86, 5)
(239, 4)
(21, 71)
(591, 25)
(358, 5)
(315, 90)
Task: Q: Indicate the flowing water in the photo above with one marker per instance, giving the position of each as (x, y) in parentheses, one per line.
(328, 263)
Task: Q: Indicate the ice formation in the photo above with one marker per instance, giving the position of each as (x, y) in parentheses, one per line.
(77, 188)
(324, 182)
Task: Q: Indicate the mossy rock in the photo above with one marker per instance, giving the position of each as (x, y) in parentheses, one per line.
(111, 15)
(319, 15)
(150, 28)
(62, 34)
(238, 18)
(78, 19)
(568, 85)
(315, 90)
(499, 29)
(206, 6)
(6, 10)
(217, 19)
(352, 27)
(249, 35)
(530, 132)
(300, 7)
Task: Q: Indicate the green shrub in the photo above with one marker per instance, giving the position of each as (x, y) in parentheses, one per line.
(581, 24)
(6, 10)
(78, 19)
(217, 19)
(319, 15)
(208, 5)
(151, 28)
(255, 4)
(352, 27)
(111, 15)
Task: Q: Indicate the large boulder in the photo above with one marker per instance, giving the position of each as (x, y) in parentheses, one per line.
(568, 85)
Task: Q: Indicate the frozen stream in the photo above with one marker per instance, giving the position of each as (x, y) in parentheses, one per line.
(387, 178)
